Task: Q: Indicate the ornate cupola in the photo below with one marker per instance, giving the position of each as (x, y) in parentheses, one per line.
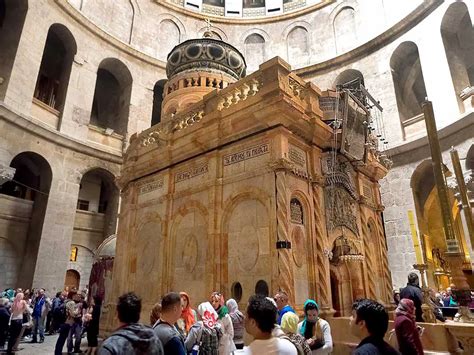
(197, 66)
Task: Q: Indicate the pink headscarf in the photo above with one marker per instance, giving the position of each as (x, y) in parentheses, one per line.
(208, 314)
(406, 307)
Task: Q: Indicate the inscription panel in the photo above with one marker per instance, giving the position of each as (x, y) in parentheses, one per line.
(297, 156)
(191, 173)
(150, 189)
(246, 154)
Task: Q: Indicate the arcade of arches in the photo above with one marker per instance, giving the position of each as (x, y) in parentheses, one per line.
(109, 126)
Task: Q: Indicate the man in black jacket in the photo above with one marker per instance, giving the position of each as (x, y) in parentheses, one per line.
(413, 292)
(369, 322)
(4, 320)
(131, 337)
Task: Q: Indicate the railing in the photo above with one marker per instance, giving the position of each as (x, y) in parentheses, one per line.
(273, 75)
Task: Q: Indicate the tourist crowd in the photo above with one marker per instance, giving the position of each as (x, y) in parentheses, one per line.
(215, 327)
(25, 315)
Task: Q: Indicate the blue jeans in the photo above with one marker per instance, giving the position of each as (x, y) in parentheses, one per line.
(76, 331)
(38, 324)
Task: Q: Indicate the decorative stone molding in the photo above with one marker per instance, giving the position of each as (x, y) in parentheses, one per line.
(6, 174)
(239, 93)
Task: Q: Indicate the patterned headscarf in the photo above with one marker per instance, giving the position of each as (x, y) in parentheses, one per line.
(406, 307)
(289, 322)
(305, 321)
(208, 314)
(222, 311)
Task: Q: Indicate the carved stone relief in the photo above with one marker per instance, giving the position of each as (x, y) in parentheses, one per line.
(342, 209)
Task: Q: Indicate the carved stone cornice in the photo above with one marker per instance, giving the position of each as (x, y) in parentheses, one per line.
(6, 174)
(282, 164)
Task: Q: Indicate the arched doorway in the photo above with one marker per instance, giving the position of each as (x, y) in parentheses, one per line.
(95, 220)
(26, 197)
(73, 279)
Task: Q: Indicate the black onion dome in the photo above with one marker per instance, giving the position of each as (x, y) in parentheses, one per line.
(206, 53)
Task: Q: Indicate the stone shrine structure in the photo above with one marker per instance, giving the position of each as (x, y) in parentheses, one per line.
(239, 189)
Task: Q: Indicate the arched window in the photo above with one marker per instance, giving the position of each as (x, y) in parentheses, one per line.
(99, 193)
(55, 69)
(158, 92)
(73, 256)
(254, 51)
(12, 18)
(236, 291)
(458, 39)
(170, 31)
(408, 81)
(345, 31)
(348, 77)
(110, 107)
(32, 182)
(298, 46)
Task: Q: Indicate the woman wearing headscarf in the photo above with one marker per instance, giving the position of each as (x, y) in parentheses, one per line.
(408, 337)
(188, 315)
(19, 307)
(315, 330)
(226, 344)
(237, 323)
(289, 325)
(204, 335)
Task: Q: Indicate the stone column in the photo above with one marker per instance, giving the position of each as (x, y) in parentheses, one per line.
(285, 273)
(55, 243)
(323, 287)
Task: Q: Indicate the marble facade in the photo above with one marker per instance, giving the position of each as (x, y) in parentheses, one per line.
(205, 203)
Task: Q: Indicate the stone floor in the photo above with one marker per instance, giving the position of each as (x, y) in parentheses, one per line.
(46, 348)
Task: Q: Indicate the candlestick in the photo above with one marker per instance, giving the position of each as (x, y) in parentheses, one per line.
(414, 236)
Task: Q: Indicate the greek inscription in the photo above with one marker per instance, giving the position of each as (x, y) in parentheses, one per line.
(248, 153)
(297, 156)
(151, 186)
(189, 174)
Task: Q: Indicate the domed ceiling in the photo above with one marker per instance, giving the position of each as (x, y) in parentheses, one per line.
(245, 8)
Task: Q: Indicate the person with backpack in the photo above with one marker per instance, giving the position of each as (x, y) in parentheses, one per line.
(204, 336)
(131, 337)
(316, 331)
(226, 345)
(66, 315)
